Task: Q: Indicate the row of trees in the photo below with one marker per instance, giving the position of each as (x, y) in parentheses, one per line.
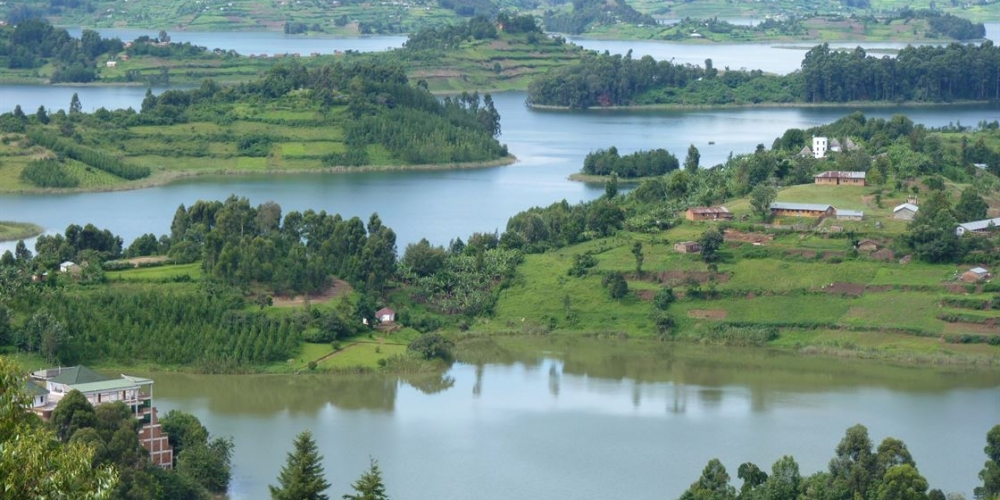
(926, 73)
(856, 471)
(33, 43)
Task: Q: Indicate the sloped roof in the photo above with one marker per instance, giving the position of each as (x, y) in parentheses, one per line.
(979, 270)
(814, 207)
(980, 224)
(77, 375)
(709, 210)
(34, 389)
(837, 174)
(849, 213)
(105, 385)
(384, 311)
(907, 206)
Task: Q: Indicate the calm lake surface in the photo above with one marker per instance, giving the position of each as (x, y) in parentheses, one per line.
(592, 421)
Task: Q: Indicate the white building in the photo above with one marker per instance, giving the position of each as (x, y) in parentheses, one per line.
(820, 145)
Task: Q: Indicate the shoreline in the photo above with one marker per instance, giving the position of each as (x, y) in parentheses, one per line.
(163, 178)
(601, 179)
(763, 105)
(881, 357)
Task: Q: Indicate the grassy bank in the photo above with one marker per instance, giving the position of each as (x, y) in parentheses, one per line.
(12, 231)
(806, 291)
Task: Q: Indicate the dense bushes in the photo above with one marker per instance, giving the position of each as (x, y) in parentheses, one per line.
(638, 164)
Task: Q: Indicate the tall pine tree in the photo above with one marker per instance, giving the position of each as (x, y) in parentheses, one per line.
(302, 476)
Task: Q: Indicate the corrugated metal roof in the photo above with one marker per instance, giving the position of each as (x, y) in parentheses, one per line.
(813, 207)
(980, 224)
(850, 213)
(837, 174)
(908, 206)
(106, 385)
(709, 210)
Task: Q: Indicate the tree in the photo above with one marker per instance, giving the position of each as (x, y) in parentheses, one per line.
(73, 412)
(163, 36)
(712, 485)
(692, 160)
(991, 470)
(208, 465)
(615, 282)
(970, 206)
(761, 197)
(183, 430)
(637, 253)
(431, 346)
(902, 482)
(302, 476)
(711, 242)
(611, 186)
(74, 105)
(369, 486)
(663, 298)
(422, 258)
(853, 469)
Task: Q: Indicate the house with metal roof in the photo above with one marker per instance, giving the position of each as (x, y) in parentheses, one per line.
(840, 178)
(843, 214)
(979, 226)
(814, 210)
(708, 213)
(906, 211)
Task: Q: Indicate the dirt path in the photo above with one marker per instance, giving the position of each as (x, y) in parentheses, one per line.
(339, 288)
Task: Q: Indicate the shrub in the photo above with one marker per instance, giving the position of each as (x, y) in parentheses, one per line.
(431, 346)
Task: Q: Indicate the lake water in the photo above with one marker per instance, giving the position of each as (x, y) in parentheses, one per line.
(439, 205)
(592, 421)
(257, 43)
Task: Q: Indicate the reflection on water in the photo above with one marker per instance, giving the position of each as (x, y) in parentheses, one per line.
(532, 417)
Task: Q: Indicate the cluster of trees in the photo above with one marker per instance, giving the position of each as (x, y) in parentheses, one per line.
(590, 13)
(33, 43)
(239, 245)
(948, 25)
(610, 80)
(206, 329)
(925, 73)
(638, 164)
(465, 279)
(858, 470)
(477, 28)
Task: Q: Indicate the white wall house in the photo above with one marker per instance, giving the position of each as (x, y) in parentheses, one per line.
(820, 146)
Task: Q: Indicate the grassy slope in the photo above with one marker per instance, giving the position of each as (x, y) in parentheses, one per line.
(729, 9)
(12, 231)
(819, 29)
(784, 289)
(252, 15)
(200, 148)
